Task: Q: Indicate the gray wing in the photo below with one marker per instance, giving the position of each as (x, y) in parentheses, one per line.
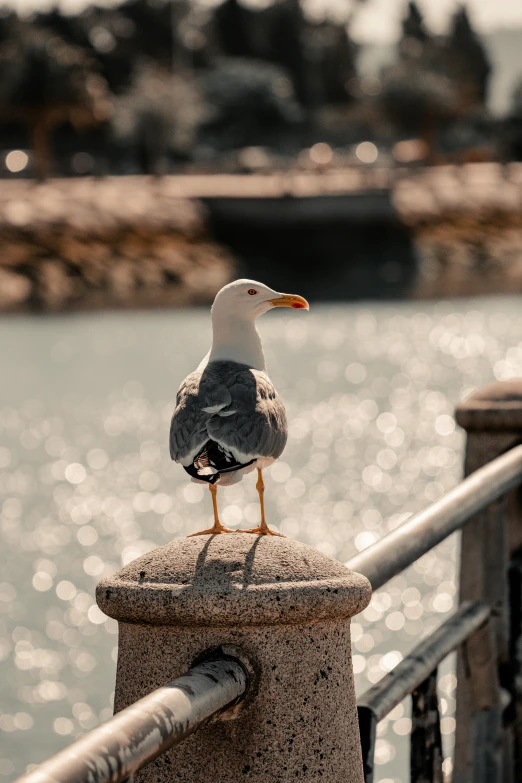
(254, 423)
(232, 404)
(200, 396)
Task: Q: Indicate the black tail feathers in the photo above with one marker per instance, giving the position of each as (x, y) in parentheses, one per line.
(211, 461)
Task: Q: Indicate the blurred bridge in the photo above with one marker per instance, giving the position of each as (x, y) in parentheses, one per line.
(348, 232)
(417, 193)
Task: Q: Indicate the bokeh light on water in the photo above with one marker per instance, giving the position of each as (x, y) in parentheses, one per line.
(86, 482)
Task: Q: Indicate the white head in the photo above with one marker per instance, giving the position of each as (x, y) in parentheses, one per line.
(234, 313)
(246, 300)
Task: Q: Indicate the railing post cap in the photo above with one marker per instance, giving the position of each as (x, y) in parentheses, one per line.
(497, 407)
(227, 580)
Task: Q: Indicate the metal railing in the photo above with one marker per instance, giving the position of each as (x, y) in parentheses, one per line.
(394, 552)
(417, 674)
(139, 733)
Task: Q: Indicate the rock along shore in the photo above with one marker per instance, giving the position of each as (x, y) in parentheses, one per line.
(86, 244)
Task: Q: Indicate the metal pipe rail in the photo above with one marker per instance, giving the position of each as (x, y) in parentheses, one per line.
(423, 659)
(417, 675)
(136, 735)
(394, 552)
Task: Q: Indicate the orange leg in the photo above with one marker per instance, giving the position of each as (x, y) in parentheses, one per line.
(263, 529)
(218, 527)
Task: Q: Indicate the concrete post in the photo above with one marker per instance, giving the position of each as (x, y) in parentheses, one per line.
(287, 608)
(491, 571)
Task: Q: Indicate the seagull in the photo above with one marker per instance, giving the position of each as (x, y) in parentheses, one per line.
(229, 420)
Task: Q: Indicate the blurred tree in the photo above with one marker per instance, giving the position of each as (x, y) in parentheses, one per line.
(516, 103)
(439, 81)
(112, 40)
(336, 55)
(413, 24)
(274, 33)
(9, 24)
(233, 25)
(467, 62)
(45, 82)
(108, 35)
(287, 47)
(156, 118)
(512, 130)
(156, 24)
(319, 57)
(196, 40)
(68, 27)
(412, 44)
(418, 102)
(251, 103)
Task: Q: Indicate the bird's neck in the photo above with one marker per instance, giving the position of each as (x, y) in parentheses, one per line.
(237, 340)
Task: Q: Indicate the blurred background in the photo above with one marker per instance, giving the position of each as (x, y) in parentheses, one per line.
(366, 155)
(373, 146)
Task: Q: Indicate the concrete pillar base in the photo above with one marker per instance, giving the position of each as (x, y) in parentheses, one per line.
(284, 604)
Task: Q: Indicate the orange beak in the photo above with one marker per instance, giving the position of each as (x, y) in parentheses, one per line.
(290, 300)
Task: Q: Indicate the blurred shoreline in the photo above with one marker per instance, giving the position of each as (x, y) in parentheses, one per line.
(87, 244)
(141, 242)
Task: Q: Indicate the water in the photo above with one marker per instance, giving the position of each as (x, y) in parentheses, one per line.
(86, 483)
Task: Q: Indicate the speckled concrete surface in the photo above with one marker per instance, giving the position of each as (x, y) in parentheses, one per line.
(288, 608)
(224, 580)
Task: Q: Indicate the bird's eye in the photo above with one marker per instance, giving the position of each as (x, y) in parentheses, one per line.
(252, 291)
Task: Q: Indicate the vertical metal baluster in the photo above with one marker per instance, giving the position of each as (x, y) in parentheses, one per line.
(367, 730)
(487, 739)
(515, 657)
(426, 741)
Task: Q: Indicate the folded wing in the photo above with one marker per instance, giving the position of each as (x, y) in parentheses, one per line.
(232, 405)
